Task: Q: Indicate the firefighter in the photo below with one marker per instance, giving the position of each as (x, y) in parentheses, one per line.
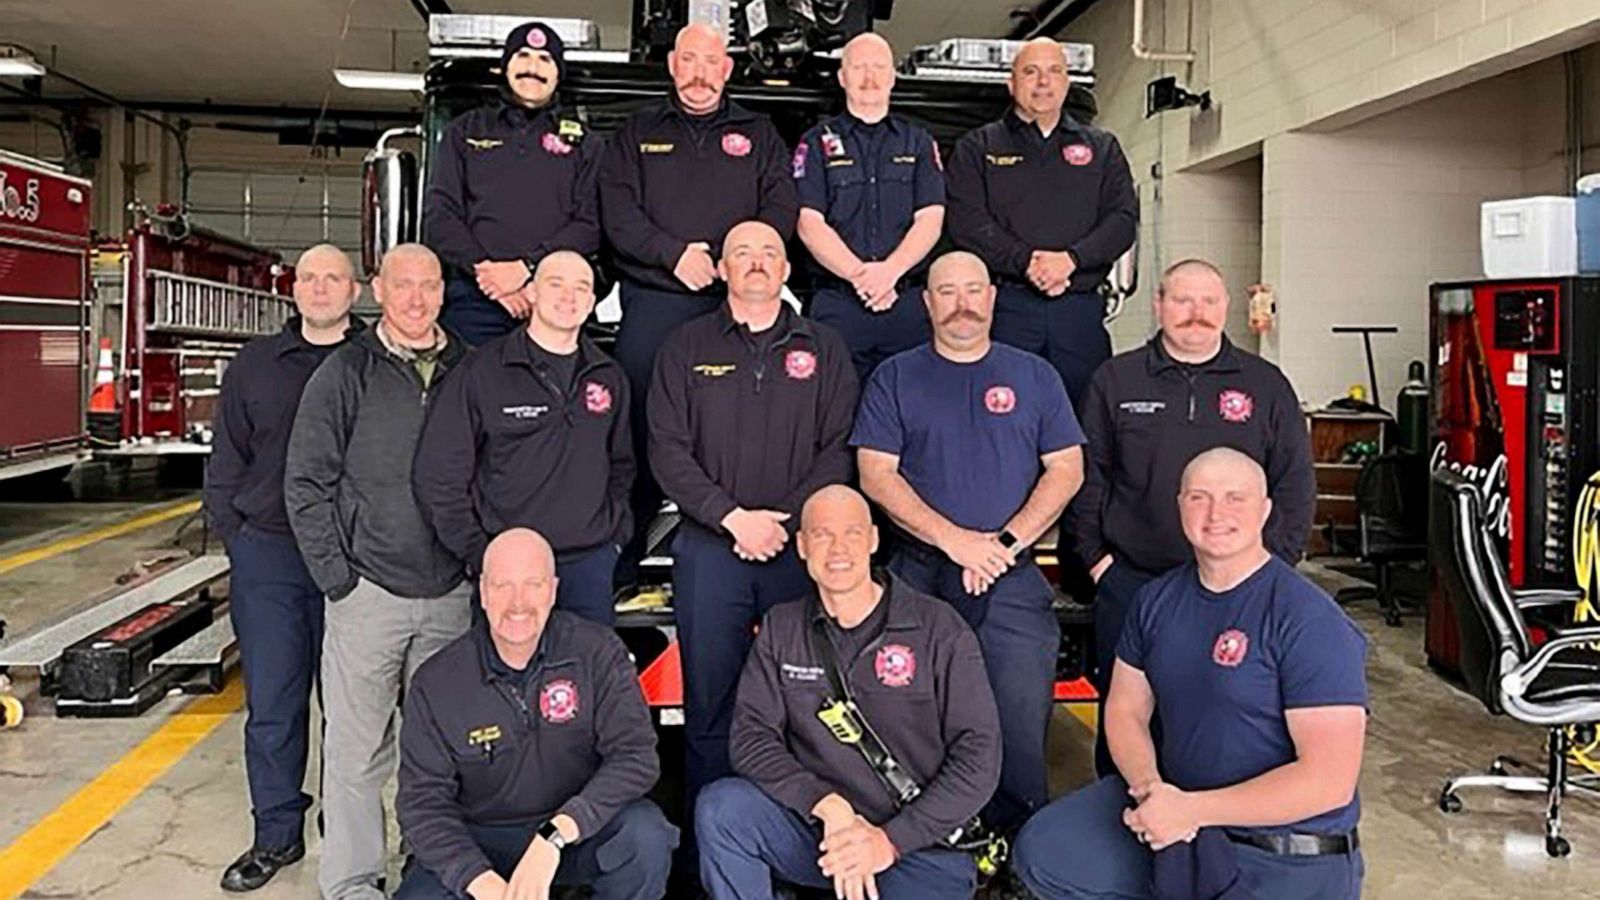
(871, 194)
(1259, 682)
(395, 594)
(676, 177)
(275, 605)
(972, 449)
(533, 432)
(526, 751)
(512, 182)
(917, 674)
(1049, 205)
(750, 411)
(1146, 413)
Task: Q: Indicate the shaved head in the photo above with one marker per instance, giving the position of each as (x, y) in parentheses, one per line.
(328, 253)
(699, 36)
(1224, 507)
(1219, 460)
(868, 44)
(836, 499)
(325, 288)
(957, 264)
(1039, 81)
(1037, 50)
(565, 261)
(700, 65)
(401, 255)
(518, 590)
(755, 263)
(836, 540)
(519, 548)
(1194, 266)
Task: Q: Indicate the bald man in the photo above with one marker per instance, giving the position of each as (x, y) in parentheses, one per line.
(526, 751)
(1258, 680)
(915, 673)
(533, 433)
(972, 449)
(1049, 204)
(871, 189)
(750, 409)
(675, 177)
(275, 606)
(1147, 412)
(395, 594)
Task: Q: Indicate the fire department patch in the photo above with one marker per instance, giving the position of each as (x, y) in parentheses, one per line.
(1000, 399)
(1230, 648)
(800, 364)
(1078, 154)
(558, 702)
(554, 145)
(800, 154)
(735, 144)
(597, 398)
(1235, 406)
(896, 665)
(537, 39)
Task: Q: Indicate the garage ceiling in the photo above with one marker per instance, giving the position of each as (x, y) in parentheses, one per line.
(281, 52)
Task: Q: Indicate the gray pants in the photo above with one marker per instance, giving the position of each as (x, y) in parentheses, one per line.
(373, 644)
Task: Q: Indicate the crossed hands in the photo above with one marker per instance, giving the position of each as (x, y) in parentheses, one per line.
(875, 285)
(1050, 271)
(854, 851)
(502, 282)
(1165, 815)
(758, 534)
(980, 555)
(695, 268)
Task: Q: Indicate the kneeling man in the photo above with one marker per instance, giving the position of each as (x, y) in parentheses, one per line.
(916, 676)
(527, 751)
(1259, 681)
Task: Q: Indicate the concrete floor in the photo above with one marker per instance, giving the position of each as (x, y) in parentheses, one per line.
(172, 839)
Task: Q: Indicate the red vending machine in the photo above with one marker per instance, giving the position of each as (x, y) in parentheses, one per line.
(1515, 408)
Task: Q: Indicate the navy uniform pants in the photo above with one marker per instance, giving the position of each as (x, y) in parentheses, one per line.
(747, 839)
(1068, 331)
(469, 313)
(873, 336)
(1113, 597)
(276, 610)
(1020, 637)
(648, 316)
(717, 600)
(584, 584)
(1078, 848)
(627, 860)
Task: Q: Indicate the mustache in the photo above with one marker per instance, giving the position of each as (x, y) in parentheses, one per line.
(533, 75)
(1196, 322)
(960, 314)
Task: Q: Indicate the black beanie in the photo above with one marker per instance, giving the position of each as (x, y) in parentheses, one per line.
(535, 36)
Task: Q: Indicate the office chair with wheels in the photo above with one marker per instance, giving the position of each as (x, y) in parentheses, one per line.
(1555, 686)
(1392, 505)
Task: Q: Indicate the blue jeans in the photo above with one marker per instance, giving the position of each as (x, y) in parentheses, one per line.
(747, 838)
(1078, 848)
(277, 613)
(627, 860)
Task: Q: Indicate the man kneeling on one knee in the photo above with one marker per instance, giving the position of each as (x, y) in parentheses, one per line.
(1259, 680)
(527, 751)
(917, 678)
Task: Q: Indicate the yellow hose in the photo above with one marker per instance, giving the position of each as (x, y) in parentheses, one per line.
(1586, 567)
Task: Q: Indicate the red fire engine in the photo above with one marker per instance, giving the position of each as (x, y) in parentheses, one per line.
(44, 306)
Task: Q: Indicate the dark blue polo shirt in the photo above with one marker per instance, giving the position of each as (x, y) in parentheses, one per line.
(1224, 668)
(969, 435)
(869, 181)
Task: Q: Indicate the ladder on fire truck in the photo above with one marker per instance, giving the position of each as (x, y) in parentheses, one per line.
(183, 304)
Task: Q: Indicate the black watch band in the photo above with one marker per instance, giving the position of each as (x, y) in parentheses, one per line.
(1008, 540)
(552, 835)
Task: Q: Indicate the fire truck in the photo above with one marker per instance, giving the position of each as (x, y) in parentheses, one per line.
(44, 315)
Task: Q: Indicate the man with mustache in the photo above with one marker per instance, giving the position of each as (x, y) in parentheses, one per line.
(972, 448)
(1049, 204)
(512, 182)
(1148, 412)
(750, 411)
(533, 433)
(676, 176)
(871, 208)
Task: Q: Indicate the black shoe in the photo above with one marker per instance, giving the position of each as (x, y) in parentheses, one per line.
(257, 866)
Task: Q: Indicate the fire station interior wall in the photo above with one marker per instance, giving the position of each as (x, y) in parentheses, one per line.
(1380, 126)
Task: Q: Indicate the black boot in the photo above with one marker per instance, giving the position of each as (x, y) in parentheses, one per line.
(257, 866)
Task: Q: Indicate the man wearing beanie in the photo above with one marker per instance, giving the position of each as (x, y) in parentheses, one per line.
(514, 182)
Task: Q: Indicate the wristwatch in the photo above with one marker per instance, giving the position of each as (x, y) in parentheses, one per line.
(1008, 540)
(553, 834)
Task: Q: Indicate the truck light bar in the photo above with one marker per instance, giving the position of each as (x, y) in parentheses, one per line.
(489, 31)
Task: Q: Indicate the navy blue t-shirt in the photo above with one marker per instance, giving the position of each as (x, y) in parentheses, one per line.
(1224, 668)
(969, 435)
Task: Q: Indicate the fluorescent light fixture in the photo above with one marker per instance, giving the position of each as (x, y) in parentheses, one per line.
(18, 63)
(375, 80)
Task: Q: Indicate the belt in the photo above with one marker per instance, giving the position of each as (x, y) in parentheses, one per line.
(1300, 844)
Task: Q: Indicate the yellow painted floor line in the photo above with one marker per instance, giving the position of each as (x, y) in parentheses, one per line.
(68, 825)
(79, 541)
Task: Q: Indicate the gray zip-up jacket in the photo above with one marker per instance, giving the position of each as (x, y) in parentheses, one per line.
(348, 477)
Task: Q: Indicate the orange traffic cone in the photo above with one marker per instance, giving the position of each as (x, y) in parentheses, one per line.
(104, 397)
